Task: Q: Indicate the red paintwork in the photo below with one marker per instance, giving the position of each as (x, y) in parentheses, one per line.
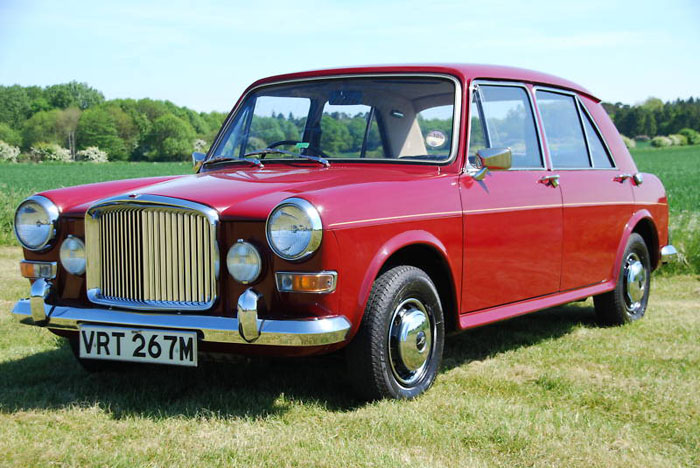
(511, 244)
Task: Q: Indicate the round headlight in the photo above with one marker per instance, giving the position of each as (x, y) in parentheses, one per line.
(243, 262)
(294, 229)
(73, 255)
(35, 222)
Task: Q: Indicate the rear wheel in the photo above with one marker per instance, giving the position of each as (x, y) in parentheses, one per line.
(628, 301)
(398, 349)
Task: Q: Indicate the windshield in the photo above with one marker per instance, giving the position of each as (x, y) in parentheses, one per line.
(392, 118)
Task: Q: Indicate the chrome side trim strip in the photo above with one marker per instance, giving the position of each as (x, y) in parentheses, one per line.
(668, 254)
(302, 332)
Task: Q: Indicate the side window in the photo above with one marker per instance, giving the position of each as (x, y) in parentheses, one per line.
(562, 129)
(477, 134)
(510, 123)
(601, 159)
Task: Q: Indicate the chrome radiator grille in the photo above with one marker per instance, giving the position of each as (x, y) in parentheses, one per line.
(152, 256)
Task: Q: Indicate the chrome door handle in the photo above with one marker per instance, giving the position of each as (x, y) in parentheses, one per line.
(552, 180)
(637, 178)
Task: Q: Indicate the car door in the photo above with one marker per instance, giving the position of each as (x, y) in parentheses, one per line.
(596, 202)
(512, 219)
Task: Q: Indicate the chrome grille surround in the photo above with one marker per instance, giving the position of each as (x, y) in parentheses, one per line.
(149, 252)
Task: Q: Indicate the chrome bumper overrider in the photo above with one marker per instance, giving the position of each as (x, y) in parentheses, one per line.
(668, 253)
(305, 332)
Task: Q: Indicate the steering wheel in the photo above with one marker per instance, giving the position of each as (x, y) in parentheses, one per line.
(294, 142)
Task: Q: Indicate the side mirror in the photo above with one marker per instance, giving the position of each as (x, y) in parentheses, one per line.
(197, 160)
(494, 159)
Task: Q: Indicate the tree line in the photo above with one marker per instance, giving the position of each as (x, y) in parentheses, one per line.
(77, 117)
(654, 117)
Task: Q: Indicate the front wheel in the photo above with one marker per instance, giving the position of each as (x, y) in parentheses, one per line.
(628, 301)
(398, 348)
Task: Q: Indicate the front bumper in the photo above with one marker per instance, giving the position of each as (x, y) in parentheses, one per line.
(304, 332)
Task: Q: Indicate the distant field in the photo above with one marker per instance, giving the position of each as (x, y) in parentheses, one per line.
(18, 181)
(678, 168)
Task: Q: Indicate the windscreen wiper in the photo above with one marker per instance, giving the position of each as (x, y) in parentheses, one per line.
(266, 151)
(253, 161)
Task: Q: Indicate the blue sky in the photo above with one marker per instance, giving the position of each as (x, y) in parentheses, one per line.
(203, 54)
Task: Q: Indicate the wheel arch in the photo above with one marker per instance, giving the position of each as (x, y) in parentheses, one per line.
(642, 223)
(422, 250)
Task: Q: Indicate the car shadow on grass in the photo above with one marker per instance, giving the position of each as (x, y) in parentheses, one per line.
(250, 388)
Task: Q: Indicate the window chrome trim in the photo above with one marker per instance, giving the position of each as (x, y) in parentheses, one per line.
(316, 228)
(52, 212)
(579, 105)
(93, 271)
(582, 108)
(457, 114)
(475, 83)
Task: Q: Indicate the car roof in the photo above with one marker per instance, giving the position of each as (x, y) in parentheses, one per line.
(465, 71)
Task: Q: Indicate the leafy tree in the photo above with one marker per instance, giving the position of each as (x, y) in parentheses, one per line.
(73, 94)
(9, 135)
(42, 127)
(171, 139)
(98, 128)
(335, 137)
(14, 106)
(66, 125)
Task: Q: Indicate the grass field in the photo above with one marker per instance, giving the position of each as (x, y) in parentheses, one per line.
(547, 389)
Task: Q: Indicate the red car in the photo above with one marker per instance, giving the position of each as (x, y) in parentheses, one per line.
(373, 209)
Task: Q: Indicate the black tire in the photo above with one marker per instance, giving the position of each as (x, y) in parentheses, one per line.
(628, 301)
(403, 303)
(95, 365)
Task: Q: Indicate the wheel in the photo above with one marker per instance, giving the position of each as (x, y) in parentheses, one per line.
(628, 301)
(398, 348)
(94, 365)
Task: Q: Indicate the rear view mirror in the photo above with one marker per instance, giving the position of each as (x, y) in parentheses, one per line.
(197, 160)
(494, 159)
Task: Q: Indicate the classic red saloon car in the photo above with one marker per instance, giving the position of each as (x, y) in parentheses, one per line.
(373, 209)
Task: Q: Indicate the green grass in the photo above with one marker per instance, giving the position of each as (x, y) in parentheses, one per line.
(679, 170)
(548, 389)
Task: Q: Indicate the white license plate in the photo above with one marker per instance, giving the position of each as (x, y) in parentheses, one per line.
(138, 345)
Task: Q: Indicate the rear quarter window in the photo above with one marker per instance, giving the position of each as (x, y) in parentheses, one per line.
(562, 128)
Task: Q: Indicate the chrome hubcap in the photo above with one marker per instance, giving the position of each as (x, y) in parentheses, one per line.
(635, 277)
(410, 341)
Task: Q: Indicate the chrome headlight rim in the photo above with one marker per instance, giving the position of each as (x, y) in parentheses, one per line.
(51, 211)
(65, 260)
(316, 228)
(252, 249)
